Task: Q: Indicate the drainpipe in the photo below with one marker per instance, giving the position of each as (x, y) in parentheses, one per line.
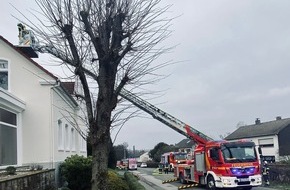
(51, 131)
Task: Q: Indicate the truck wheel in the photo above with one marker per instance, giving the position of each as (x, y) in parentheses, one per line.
(181, 178)
(210, 184)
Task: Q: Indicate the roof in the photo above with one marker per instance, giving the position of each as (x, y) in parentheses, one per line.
(28, 58)
(66, 89)
(261, 129)
(185, 143)
(69, 87)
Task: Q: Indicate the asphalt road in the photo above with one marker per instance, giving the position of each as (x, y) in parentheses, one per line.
(164, 177)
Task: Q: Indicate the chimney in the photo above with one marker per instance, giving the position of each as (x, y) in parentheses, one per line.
(278, 118)
(257, 122)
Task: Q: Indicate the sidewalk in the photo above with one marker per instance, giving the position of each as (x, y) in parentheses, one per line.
(155, 182)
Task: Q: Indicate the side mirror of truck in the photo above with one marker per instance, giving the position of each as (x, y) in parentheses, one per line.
(260, 150)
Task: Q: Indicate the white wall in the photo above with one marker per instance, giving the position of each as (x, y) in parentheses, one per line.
(24, 83)
(38, 132)
(62, 111)
(268, 151)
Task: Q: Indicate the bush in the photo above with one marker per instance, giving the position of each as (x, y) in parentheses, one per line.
(77, 171)
(152, 164)
(133, 182)
(116, 182)
(11, 170)
(287, 162)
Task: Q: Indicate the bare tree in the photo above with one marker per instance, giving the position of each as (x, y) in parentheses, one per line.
(108, 44)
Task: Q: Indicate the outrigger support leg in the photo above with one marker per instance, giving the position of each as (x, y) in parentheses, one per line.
(170, 180)
(188, 186)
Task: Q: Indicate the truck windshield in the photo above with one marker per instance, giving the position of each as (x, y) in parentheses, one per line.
(180, 156)
(238, 153)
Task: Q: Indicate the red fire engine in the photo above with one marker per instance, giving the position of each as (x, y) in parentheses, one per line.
(222, 164)
(173, 158)
(216, 164)
(122, 164)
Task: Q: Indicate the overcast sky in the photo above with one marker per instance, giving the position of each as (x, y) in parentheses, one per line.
(235, 67)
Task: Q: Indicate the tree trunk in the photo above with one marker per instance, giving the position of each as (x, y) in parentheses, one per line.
(100, 136)
(100, 129)
(100, 165)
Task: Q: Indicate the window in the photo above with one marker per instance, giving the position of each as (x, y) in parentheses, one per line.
(67, 139)
(267, 142)
(240, 153)
(60, 136)
(4, 74)
(8, 138)
(214, 154)
(83, 144)
(72, 140)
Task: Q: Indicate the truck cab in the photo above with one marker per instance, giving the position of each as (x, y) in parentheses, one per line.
(231, 165)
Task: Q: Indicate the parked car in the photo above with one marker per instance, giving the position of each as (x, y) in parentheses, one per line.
(143, 165)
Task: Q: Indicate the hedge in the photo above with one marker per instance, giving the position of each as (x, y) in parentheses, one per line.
(132, 181)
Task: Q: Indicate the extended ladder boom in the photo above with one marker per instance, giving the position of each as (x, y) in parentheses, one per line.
(27, 39)
(166, 118)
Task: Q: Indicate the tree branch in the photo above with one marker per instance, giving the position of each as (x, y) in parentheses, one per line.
(95, 39)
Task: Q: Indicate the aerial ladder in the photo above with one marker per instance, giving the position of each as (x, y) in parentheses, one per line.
(207, 167)
(29, 45)
(166, 118)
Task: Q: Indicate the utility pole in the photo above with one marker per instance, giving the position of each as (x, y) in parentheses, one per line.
(125, 145)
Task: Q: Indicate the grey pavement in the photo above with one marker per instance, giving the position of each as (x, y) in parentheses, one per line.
(154, 182)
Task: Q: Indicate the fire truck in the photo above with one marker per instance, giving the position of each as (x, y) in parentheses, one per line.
(173, 158)
(122, 164)
(216, 164)
(132, 163)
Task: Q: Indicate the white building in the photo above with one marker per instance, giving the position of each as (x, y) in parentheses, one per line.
(144, 157)
(36, 113)
(271, 136)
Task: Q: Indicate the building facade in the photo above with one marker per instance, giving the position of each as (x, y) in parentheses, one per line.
(271, 136)
(39, 119)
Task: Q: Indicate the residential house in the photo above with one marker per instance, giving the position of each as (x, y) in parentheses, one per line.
(186, 145)
(144, 157)
(39, 118)
(271, 136)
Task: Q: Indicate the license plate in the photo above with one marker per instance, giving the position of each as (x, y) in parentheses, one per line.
(244, 179)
